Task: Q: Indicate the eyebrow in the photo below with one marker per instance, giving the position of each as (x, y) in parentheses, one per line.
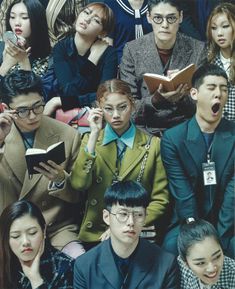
(33, 227)
(37, 102)
(170, 14)
(90, 11)
(200, 259)
(124, 102)
(22, 13)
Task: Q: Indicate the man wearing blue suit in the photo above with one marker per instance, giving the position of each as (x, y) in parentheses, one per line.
(198, 148)
(125, 260)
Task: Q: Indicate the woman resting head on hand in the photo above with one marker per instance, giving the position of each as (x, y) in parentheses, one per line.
(27, 260)
(201, 258)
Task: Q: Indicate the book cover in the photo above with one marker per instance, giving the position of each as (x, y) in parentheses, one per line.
(169, 84)
(34, 156)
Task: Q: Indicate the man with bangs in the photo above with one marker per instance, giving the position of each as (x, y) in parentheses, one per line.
(197, 148)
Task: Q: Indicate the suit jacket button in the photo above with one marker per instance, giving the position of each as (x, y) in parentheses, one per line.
(89, 225)
(94, 202)
(99, 179)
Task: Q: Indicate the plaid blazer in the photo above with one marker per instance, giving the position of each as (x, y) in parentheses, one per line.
(229, 109)
(188, 280)
(56, 269)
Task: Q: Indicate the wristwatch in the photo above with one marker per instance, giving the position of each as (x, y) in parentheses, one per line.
(190, 220)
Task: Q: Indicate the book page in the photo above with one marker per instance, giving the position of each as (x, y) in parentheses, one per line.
(33, 151)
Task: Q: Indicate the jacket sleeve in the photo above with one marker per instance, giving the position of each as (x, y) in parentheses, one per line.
(179, 184)
(79, 280)
(225, 224)
(172, 277)
(159, 195)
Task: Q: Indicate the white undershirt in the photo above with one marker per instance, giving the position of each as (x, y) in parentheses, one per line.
(226, 63)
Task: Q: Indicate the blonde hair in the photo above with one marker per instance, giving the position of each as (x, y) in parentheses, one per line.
(213, 49)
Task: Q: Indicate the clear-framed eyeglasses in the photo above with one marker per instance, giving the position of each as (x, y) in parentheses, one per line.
(120, 109)
(123, 216)
(170, 19)
(25, 112)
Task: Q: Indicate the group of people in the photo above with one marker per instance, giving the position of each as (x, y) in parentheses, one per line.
(144, 166)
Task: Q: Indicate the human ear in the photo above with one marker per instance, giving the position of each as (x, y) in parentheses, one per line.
(193, 93)
(148, 18)
(181, 16)
(106, 216)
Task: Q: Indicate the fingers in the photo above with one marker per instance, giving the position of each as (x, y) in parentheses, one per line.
(51, 170)
(95, 115)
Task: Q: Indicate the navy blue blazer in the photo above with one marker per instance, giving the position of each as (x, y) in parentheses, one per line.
(152, 268)
(183, 151)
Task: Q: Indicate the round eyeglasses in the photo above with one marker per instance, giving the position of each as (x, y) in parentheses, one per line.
(170, 19)
(122, 217)
(120, 109)
(25, 112)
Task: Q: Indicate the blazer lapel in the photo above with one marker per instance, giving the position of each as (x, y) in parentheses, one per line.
(44, 137)
(15, 153)
(195, 144)
(133, 156)
(222, 138)
(108, 266)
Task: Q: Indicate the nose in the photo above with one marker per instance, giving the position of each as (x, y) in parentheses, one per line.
(218, 92)
(32, 115)
(220, 31)
(211, 268)
(165, 23)
(25, 240)
(130, 220)
(116, 113)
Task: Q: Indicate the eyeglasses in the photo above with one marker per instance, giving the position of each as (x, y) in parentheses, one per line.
(123, 216)
(170, 19)
(25, 112)
(120, 109)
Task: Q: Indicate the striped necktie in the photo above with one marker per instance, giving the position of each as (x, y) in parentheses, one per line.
(121, 148)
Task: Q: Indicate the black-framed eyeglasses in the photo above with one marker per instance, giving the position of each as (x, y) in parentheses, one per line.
(170, 19)
(123, 216)
(25, 112)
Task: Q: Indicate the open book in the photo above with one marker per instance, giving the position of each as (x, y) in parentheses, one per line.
(34, 156)
(169, 84)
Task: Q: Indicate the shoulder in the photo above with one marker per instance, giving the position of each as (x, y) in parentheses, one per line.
(190, 40)
(177, 131)
(143, 41)
(146, 137)
(227, 276)
(227, 126)
(64, 44)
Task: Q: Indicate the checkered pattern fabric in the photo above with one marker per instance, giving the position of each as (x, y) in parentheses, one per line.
(229, 109)
(226, 280)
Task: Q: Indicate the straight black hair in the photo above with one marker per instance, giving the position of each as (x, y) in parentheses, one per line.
(153, 3)
(194, 232)
(205, 70)
(39, 38)
(127, 193)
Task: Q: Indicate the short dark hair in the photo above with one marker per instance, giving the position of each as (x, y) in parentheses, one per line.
(193, 233)
(19, 82)
(128, 193)
(153, 3)
(39, 37)
(9, 262)
(205, 70)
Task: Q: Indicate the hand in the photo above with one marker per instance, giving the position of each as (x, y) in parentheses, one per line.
(52, 105)
(6, 120)
(95, 119)
(105, 235)
(96, 51)
(173, 96)
(31, 269)
(52, 171)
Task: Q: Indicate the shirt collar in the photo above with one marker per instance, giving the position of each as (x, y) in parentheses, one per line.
(127, 138)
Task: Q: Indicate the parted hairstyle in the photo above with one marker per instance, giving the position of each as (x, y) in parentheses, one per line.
(107, 18)
(194, 232)
(39, 38)
(19, 82)
(153, 3)
(126, 193)
(114, 86)
(205, 70)
(213, 49)
(9, 263)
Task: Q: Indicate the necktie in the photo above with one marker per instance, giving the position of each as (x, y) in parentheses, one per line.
(121, 147)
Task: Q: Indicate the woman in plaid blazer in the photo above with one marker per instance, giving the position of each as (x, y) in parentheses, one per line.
(201, 259)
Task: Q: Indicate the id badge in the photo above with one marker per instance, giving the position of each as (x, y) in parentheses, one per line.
(209, 175)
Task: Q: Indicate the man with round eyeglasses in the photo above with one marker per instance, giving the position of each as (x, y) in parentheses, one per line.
(126, 260)
(23, 126)
(164, 51)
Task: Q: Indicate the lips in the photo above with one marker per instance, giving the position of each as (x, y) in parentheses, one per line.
(83, 25)
(18, 31)
(211, 276)
(215, 107)
(221, 40)
(27, 250)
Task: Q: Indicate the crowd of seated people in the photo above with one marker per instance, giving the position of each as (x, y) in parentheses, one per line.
(157, 166)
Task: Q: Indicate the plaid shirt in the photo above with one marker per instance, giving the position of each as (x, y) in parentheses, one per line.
(56, 270)
(229, 109)
(188, 280)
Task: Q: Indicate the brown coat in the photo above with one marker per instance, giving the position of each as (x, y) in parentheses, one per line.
(57, 205)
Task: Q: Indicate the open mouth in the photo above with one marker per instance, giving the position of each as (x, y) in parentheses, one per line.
(215, 107)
